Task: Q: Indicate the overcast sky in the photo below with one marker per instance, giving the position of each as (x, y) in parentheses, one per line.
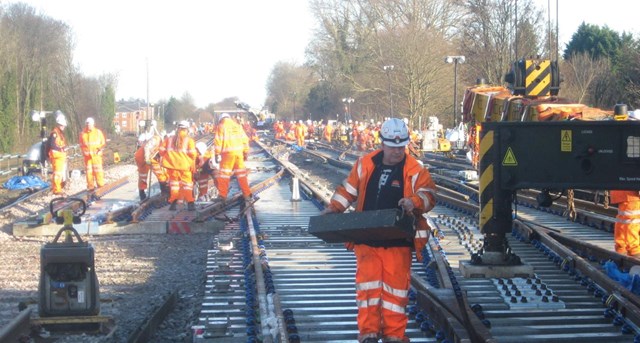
(216, 49)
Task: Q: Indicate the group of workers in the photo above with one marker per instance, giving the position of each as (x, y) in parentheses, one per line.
(177, 161)
(359, 135)
(92, 143)
(388, 177)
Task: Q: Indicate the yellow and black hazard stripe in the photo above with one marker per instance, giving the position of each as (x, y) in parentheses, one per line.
(538, 78)
(487, 179)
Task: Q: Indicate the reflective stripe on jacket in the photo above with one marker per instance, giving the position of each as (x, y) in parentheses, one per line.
(230, 138)
(418, 185)
(178, 154)
(58, 144)
(91, 141)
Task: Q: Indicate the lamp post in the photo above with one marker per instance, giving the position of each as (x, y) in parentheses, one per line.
(455, 60)
(348, 101)
(387, 69)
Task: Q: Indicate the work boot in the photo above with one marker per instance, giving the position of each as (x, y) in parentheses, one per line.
(142, 193)
(191, 206)
(173, 205)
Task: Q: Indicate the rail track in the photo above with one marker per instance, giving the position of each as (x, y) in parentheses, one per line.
(268, 280)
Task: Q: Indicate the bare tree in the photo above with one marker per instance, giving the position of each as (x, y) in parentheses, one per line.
(492, 39)
(580, 73)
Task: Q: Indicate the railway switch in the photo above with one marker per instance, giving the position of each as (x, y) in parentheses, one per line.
(68, 281)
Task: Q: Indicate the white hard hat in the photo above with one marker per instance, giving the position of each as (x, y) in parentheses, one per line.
(394, 133)
(201, 147)
(183, 124)
(90, 121)
(61, 119)
(634, 115)
(223, 115)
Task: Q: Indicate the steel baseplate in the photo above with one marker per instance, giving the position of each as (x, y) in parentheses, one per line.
(469, 270)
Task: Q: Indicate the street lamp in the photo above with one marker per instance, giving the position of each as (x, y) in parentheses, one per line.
(455, 60)
(387, 69)
(348, 101)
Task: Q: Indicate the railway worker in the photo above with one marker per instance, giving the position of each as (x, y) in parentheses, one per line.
(627, 227)
(148, 159)
(206, 169)
(58, 154)
(328, 132)
(231, 147)
(383, 179)
(92, 144)
(300, 132)
(179, 159)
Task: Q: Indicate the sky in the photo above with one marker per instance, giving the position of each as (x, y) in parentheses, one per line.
(215, 49)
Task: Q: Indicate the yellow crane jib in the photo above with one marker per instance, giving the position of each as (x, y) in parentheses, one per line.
(534, 78)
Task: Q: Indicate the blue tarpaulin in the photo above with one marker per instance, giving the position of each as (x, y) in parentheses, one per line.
(629, 281)
(24, 182)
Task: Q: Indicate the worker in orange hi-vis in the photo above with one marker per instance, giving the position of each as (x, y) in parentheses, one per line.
(231, 146)
(58, 154)
(627, 227)
(384, 179)
(147, 159)
(92, 143)
(179, 159)
(328, 132)
(206, 169)
(300, 133)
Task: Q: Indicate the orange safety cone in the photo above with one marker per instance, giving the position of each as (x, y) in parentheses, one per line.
(116, 157)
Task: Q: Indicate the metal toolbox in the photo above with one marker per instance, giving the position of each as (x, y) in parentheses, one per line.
(377, 225)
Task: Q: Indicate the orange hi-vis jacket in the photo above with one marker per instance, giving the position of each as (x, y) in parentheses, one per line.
(618, 197)
(58, 144)
(418, 185)
(328, 132)
(230, 138)
(92, 142)
(178, 153)
(626, 233)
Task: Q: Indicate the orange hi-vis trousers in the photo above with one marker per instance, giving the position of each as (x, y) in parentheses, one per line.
(143, 173)
(180, 185)
(627, 228)
(382, 287)
(58, 168)
(94, 171)
(230, 163)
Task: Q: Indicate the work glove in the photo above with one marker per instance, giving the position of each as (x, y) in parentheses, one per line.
(349, 245)
(147, 162)
(213, 164)
(406, 204)
(218, 159)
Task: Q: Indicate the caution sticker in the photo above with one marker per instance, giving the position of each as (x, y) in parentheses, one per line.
(565, 141)
(509, 159)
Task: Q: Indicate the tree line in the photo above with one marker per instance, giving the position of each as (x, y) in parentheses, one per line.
(38, 74)
(388, 56)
